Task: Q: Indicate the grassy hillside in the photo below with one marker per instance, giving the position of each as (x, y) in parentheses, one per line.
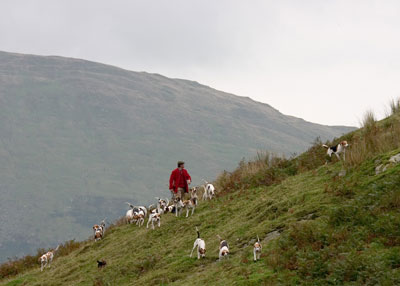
(78, 139)
(335, 224)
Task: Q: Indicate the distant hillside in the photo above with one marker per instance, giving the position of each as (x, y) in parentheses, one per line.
(77, 139)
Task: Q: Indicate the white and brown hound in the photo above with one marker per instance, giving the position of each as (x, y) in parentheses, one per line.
(98, 234)
(201, 246)
(337, 149)
(138, 217)
(178, 205)
(154, 218)
(192, 202)
(223, 248)
(99, 230)
(47, 258)
(257, 249)
(129, 217)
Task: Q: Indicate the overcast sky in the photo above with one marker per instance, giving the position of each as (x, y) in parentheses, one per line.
(324, 61)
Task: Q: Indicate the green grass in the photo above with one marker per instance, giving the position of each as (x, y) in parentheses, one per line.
(334, 231)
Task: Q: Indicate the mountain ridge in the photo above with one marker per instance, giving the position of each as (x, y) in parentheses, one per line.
(80, 60)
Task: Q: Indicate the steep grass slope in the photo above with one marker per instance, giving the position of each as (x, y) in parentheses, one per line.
(331, 225)
(78, 136)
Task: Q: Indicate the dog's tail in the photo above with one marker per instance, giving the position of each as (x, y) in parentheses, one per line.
(258, 239)
(130, 205)
(198, 233)
(325, 146)
(220, 239)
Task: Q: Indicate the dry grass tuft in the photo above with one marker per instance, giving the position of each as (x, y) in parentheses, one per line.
(368, 122)
(374, 138)
(394, 106)
(268, 169)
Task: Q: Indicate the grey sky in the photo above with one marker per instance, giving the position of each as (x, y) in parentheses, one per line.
(324, 61)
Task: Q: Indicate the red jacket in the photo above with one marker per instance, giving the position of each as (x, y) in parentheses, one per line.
(176, 177)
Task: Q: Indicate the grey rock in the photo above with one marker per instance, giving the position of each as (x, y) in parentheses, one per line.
(395, 159)
(309, 216)
(378, 169)
(272, 235)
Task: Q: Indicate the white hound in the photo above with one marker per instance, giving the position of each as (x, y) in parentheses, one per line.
(209, 191)
(47, 258)
(201, 246)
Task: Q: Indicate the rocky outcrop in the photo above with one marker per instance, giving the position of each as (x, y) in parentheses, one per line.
(394, 160)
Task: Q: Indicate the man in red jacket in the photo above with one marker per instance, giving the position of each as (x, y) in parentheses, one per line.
(179, 181)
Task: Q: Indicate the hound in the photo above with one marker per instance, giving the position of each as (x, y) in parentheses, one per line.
(193, 195)
(161, 207)
(101, 263)
(170, 209)
(138, 217)
(154, 218)
(257, 249)
(129, 214)
(99, 228)
(223, 248)
(201, 246)
(103, 227)
(95, 228)
(152, 209)
(178, 204)
(47, 258)
(337, 150)
(209, 191)
(192, 202)
(143, 209)
(162, 204)
(98, 235)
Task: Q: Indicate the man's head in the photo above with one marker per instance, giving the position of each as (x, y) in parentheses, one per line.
(181, 164)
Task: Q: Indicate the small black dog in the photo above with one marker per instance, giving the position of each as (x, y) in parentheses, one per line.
(101, 263)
